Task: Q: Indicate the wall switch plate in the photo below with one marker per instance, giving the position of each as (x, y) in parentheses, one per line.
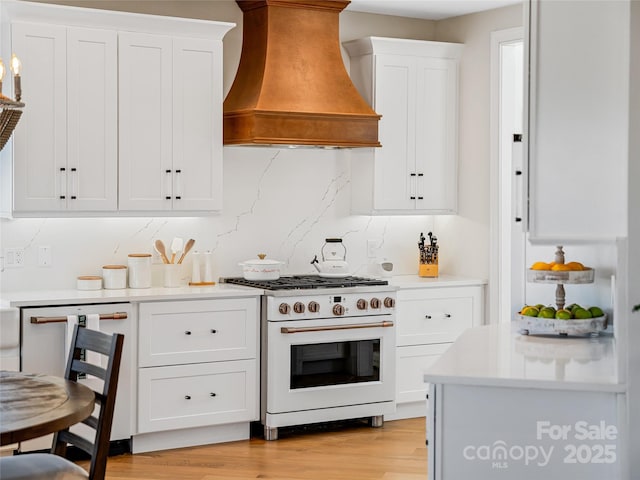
(14, 257)
(44, 256)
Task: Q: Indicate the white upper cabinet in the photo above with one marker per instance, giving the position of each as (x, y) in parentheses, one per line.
(66, 142)
(578, 120)
(123, 112)
(414, 86)
(170, 123)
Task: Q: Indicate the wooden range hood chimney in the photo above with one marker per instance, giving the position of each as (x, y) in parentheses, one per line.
(291, 87)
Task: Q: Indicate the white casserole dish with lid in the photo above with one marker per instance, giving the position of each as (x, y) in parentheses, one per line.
(261, 268)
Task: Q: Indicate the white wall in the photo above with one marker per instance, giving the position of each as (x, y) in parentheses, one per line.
(285, 202)
(466, 235)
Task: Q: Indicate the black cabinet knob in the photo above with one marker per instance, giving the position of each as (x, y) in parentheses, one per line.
(188, 332)
(187, 397)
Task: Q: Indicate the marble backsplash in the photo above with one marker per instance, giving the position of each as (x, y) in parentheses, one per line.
(282, 202)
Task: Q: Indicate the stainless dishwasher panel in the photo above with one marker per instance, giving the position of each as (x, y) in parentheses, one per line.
(43, 350)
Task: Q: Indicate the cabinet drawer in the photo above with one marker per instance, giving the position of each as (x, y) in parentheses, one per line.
(436, 315)
(411, 363)
(186, 396)
(197, 331)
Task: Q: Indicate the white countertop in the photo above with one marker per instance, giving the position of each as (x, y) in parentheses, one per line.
(497, 355)
(414, 281)
(37, 298)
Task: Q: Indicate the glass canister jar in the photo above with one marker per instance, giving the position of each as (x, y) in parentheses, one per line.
(139, 270)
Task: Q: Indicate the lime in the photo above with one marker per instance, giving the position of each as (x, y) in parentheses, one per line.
(530, 311)
(563, 314)
(582, 313)
(596, 312)
(547, 312)
(575, 307)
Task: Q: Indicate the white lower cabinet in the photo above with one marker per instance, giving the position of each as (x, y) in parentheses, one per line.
(429, 318)
(198, 370)
(182, 396)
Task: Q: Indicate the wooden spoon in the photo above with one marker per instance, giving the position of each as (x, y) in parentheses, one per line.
(162, 251)
(187, 247)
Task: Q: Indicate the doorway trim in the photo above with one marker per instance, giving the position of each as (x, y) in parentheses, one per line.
(499, 265)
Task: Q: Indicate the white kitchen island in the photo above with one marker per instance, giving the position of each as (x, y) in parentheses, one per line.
(505, 405)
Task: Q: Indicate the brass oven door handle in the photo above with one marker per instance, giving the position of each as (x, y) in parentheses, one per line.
(103, 316)
(327, 328)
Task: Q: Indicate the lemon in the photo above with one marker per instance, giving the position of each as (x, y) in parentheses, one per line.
(575, 266)
(530, 311)
(561, 267)
(540, 266)
(563, 314)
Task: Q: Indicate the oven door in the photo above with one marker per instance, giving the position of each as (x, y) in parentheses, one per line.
(324, 363)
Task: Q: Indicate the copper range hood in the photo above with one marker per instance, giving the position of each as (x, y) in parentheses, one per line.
(291, 87)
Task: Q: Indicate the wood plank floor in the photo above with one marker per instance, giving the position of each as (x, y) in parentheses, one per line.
(396, 451)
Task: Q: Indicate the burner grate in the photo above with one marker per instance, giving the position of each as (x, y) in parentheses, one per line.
(299, 282)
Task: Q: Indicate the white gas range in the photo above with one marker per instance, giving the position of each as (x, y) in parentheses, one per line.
(328, 350)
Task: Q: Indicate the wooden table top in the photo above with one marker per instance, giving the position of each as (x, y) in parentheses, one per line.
(33, 405)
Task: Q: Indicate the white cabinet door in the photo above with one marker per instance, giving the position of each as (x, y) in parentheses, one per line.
(197, 124)
(145, 110)
(414, 86)
(40, 139)
(92, 119)
(170, 123)
(436, 140)
(412, 361)
(578, 120)
(65, 147)
(395, 85)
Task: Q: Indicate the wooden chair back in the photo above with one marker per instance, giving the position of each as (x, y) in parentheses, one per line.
(109, 345)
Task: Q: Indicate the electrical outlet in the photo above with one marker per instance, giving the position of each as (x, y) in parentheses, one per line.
(44, 256)
(14, 257)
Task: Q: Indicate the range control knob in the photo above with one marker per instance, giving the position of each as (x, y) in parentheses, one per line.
(314, 307)
(389, 302)
(361, 304)
(374, 302)
(298, 307)
(284, 308)
(338, 309)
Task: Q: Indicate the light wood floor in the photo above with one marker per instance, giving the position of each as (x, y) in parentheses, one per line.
(396, 451)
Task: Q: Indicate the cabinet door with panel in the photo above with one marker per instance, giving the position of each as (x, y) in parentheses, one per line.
(170, 123)
(413, 85)
(577, 130)
(65, 156)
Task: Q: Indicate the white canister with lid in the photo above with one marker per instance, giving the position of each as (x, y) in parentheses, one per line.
(139, 270)
(114, 277)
